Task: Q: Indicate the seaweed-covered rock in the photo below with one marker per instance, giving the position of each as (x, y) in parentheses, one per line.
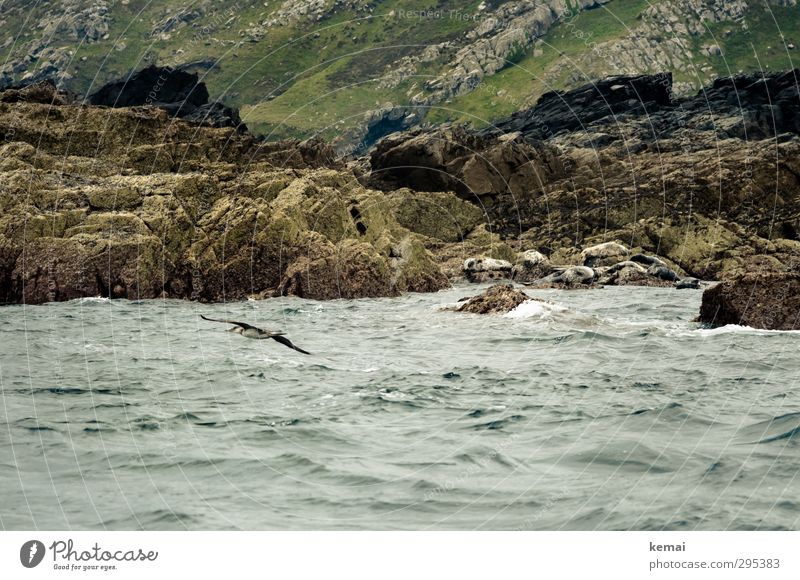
(153, 207)
(438, 215)
(497, 299)
(350, 269)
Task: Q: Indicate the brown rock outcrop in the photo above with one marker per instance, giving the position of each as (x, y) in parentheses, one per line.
(129, 203)
(497, 299)
(767, 300)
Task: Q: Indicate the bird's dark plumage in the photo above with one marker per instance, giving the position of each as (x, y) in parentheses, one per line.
(242, 324)
(287, 342)
(250, 331)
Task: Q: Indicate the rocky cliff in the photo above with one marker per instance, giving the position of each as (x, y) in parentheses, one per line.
(131, 203)
(616, 182)
(711, 181)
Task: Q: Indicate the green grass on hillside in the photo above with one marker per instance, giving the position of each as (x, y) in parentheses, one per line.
(515, 86)
(321, 77)
(760, 41)
(344, 83)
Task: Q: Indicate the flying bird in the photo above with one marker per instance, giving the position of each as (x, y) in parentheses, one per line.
(249, 331)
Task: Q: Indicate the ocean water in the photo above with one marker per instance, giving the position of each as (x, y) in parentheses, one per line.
(606, 409)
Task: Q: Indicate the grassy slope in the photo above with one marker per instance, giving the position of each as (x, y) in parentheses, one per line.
(321, 77)
(344, 83)
(755, 44)
(514, 87)
(297, 80)
(760, 43)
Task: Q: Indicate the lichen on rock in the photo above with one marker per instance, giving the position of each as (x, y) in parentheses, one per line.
(497, 299)
(127, 203)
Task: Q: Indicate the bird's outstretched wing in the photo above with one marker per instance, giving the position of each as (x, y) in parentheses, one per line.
(285, 341)
(242, 324)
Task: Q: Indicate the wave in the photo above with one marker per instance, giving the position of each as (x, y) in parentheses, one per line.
(89, 300)
(630, 456)
(498, 423)
(535, 308)
(776, 429)
(166, 519)
(739, 329)
(32, 424)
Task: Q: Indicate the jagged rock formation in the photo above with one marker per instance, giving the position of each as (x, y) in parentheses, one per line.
(496, 173)
(178, 92)
(498, 299)
(558, 112)
(751, 107)
(711, 182)
(768, 300)
(128, 203)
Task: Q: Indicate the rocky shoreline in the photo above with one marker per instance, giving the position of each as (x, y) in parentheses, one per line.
(132, 203)
(615, 183)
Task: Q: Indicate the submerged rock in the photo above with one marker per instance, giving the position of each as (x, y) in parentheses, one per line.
(767, 300)
(498, 299)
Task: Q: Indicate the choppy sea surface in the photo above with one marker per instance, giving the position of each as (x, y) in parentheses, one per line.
(607, 409)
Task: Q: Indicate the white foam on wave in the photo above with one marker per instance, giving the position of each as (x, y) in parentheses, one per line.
(738, 328)
(90, 300)
(534, 309)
